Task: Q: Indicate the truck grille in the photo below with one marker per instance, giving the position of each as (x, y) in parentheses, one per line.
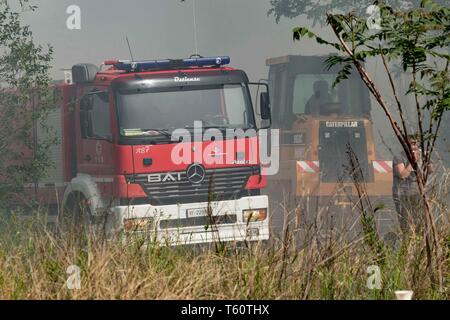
(219, 184)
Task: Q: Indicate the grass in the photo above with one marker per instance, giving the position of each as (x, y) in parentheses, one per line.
(34, 260)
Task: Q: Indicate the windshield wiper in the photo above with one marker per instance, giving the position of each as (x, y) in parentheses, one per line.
(162, 132)
(146, 132)
(207, 127)
(221, 127)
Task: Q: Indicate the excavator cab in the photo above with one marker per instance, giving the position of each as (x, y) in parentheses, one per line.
(302, 86)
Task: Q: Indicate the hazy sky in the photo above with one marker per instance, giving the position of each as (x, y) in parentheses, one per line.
(164, 29)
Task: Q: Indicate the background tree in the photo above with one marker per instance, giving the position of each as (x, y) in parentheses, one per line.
(418, 39)
(316, 10)
(25, 97)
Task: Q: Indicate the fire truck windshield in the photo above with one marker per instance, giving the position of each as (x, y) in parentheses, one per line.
(156, 112)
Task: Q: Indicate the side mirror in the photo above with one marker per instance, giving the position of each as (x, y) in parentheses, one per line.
(265, 106)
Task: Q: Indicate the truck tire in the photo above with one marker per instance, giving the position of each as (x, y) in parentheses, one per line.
(76, 215)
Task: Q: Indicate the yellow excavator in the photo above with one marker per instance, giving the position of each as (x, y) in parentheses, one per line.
(327, 151)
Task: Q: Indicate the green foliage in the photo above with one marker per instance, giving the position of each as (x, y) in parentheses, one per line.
(317, 10)
(25, 98)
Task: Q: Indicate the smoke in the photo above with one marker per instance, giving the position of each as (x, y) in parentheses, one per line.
(165, 29)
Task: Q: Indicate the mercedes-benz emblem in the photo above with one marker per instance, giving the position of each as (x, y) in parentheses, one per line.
(196, 173)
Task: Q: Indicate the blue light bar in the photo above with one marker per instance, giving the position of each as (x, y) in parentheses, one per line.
(137, 66)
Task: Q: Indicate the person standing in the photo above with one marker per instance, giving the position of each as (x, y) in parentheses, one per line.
(405, 190)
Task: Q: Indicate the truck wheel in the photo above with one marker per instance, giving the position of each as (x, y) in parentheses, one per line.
(76, 215)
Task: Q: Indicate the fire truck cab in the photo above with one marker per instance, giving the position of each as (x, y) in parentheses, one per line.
(168, 147)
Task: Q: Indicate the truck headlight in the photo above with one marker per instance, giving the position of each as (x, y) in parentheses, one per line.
(254, 215)
(140, 224)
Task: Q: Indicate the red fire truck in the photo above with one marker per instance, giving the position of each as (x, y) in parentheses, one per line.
(120, 164)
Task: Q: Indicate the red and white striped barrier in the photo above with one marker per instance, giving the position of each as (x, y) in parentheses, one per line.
(308, 166)
(382, 166)
(314, 166)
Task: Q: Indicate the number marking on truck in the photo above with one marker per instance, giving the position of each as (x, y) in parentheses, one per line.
(143, 150)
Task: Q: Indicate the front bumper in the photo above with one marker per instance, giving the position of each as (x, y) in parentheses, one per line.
(169, 223)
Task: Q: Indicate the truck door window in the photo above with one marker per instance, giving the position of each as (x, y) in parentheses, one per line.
(233, 97)
(95, 118)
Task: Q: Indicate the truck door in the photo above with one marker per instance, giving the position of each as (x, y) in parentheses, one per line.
(95, 147)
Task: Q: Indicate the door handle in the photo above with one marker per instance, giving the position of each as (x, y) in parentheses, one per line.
(87, 158)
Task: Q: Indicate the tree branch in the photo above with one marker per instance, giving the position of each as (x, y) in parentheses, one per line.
(419, 111)
(394, 91)
(374, 90)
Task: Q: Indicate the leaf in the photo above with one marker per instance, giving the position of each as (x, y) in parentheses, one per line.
(425, 3)
(343, 74)
(379, 206)
(301, 32)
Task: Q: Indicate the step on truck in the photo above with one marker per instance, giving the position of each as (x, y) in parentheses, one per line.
(164, 147)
